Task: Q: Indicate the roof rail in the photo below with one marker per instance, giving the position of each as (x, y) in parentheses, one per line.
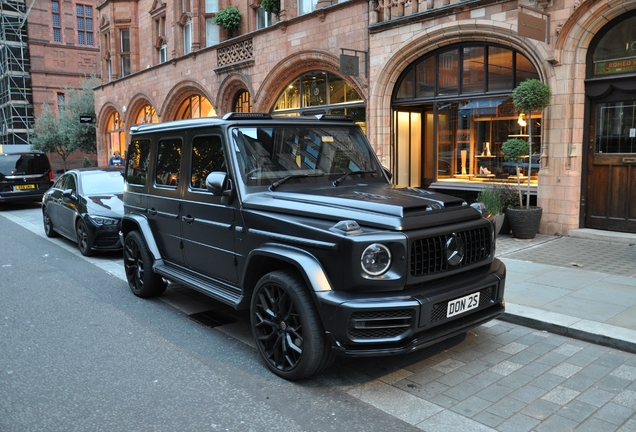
(246, 116)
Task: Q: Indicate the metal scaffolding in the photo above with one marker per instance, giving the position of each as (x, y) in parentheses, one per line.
(16, 93)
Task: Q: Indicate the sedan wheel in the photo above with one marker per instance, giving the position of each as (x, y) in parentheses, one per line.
(286, 327)
(84, 242)
(142, 280)
(48, 225)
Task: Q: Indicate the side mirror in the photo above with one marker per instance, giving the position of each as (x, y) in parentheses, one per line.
(217, 183)
(68, 193)
(388, 173)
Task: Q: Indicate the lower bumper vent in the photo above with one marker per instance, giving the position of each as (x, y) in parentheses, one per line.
(379, 324)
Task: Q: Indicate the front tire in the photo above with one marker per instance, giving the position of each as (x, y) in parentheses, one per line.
(287, 328)
(142, 280)
(48, 224)
(84, 242)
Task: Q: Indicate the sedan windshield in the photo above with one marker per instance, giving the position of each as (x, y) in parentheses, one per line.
(102, 183)
(268, 154)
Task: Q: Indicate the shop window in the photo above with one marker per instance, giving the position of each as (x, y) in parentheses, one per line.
(458, 98)
(146, 114)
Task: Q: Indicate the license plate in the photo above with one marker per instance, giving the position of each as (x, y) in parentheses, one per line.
(461, 305)
(25, 186)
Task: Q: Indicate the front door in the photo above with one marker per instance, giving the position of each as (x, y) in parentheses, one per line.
(611, 180)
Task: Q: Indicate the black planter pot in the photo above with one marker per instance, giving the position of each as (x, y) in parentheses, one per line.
(524, 223)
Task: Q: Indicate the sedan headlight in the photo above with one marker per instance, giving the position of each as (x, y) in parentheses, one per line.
(376, 259)
(101, 220)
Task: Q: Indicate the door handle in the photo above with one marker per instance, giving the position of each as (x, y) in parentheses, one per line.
(152, 212)
(629, 160)
(188, 219)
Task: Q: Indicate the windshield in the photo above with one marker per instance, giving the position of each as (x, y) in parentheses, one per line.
(103, 183)
(268, 154)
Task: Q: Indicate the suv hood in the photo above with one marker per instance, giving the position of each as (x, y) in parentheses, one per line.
(381, 206)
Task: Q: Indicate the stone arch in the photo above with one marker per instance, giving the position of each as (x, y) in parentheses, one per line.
(176, 95)
(292, 67)
(440, 36)
(228, 89)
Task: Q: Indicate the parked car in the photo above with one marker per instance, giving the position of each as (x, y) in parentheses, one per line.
(24, 176)
(85, 206)
(295, 219)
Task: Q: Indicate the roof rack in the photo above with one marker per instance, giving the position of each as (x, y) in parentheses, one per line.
(336, 117)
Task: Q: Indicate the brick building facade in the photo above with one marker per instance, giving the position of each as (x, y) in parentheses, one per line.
(62, 55)
(432, 92)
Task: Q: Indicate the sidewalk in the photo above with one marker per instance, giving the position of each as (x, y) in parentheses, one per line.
(582, 286)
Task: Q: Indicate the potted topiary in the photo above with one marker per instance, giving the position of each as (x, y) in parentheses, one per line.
(228, 18)
(530, 96)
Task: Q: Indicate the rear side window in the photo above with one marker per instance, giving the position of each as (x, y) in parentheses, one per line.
(137, 162)
(168, 163)
(23, 164)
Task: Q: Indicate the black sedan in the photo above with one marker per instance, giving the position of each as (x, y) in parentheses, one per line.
(85, 205)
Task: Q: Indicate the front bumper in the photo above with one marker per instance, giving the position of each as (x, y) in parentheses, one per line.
(396, 323)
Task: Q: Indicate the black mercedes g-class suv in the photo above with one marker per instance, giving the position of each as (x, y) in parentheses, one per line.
(295, 219)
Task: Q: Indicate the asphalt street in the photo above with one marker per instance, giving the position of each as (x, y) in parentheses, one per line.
(79, 352)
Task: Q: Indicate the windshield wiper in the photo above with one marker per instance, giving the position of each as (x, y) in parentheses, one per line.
(291, 176)
(337, 181)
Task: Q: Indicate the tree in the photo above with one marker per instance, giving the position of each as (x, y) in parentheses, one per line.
(531, 95)
(65, 134)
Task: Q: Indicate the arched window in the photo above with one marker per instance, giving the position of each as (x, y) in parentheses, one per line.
(115, 135)
(146, 114)
(243, 102)
(615, 52)
(195, 106)
(321, 92)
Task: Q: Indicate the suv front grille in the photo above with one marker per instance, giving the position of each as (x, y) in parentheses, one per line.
(440, 309)
(379, 324)
(428, 255)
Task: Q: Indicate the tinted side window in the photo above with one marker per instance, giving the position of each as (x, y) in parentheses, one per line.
(207, 157)
(137, 161)
(168, 163)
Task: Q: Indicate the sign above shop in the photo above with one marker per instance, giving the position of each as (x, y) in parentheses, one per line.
(533, 27)
(349, 65)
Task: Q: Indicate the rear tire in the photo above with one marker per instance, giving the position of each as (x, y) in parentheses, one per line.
(287, 328)
(142, 280)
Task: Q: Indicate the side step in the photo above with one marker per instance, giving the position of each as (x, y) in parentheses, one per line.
(224, 293)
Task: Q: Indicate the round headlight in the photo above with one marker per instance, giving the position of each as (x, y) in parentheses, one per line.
(376, 259)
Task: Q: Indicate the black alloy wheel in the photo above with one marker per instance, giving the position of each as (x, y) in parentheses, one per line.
(48, 225)
(84, 242)
(287, 328)
(142, 280)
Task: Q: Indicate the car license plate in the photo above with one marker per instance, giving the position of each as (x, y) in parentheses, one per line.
(461, 305)
(25, 186)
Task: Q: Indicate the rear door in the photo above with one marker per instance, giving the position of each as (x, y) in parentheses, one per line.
(164, 207)
(208, 219)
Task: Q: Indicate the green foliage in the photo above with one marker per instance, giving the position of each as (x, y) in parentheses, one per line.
(64, 134)
(229, 18)
(492, 199)
(86, 162)
(271, 6)
(531, 95)
(514, 149)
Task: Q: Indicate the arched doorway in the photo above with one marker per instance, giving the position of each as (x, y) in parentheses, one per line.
(609, 201)
(452, 112)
